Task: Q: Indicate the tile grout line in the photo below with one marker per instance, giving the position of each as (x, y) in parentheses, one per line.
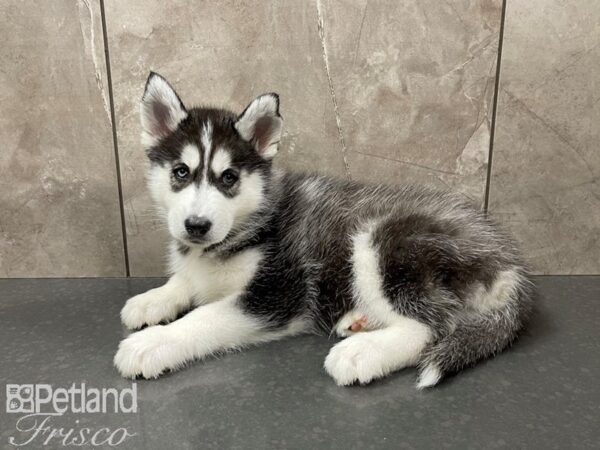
(115, 142)
(331, 89)
(488, 180)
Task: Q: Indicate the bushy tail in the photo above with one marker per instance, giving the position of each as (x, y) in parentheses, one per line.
(478, 335)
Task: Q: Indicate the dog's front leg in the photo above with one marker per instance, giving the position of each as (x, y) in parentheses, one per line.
(160, 304)
(212, 328)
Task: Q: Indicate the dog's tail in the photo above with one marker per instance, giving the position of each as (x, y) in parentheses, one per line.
(480, 334)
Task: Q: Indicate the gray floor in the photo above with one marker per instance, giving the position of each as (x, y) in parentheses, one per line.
(543, 393)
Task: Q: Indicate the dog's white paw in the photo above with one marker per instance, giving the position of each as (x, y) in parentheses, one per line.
(148, 353)
(356, 359)
(149, 308)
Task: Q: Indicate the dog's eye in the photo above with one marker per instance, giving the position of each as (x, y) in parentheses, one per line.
(229, 177)
(181, 172)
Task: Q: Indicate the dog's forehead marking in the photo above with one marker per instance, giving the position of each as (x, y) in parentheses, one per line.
(220, 161)
(190, 156)
(206, 140)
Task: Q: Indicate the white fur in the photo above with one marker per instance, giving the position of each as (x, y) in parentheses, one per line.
(503, 289)
(190, 156)
(197, 279)
(263, 106)
(206, 139)
(221, 161)
(399, 342)
(209, 279)
(369, 355)
(429, 377)
(500, 292)
(156, 305)
(204, 201)
(217, 327)
(367, 281)
(159, 179)
(158, 90)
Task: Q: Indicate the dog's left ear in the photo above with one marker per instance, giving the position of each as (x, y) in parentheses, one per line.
(261, 124)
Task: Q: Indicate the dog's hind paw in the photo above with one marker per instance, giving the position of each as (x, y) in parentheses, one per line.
(352, 322)
(356, 359)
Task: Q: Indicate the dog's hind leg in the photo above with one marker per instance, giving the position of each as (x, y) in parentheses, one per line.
(398, 342)
(353, 322)
(366, 356)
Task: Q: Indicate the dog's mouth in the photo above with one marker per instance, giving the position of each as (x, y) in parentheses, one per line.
(196, 241)
(201, 242)
(193, 241)
(217, 245)
(206, 244)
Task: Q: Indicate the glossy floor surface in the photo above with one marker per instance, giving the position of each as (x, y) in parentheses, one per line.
(543, 393)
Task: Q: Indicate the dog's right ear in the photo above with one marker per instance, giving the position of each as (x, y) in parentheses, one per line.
(161, 110)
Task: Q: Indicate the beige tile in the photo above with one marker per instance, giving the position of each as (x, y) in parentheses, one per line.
(58, 190)
(222, 55)
(550, 63)
(414, 84)
(546, 163)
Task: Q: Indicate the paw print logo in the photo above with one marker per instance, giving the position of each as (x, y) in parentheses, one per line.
(19, 398)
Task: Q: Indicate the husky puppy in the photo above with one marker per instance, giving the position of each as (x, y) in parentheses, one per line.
(410, 276)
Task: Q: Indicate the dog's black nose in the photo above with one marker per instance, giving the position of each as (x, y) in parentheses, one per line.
(197, 226)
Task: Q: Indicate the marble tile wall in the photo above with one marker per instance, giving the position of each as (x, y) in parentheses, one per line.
(546, 156)
(414, 83)
(381, 91)
(59, 206)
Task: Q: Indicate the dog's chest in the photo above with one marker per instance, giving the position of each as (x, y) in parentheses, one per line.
(211, 278)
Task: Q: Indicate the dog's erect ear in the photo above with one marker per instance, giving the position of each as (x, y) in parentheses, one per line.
(261, 124)
(161, 110)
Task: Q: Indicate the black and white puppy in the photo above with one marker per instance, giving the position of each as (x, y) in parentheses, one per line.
(410, 276)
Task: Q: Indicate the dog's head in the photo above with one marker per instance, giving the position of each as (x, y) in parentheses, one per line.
(208, 167)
